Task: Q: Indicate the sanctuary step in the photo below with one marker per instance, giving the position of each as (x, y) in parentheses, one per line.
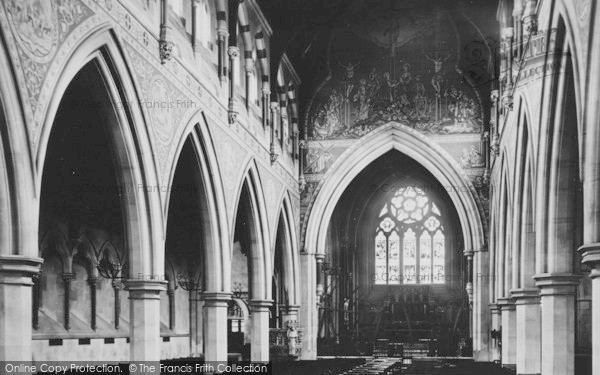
(377, 366)
(444, 366)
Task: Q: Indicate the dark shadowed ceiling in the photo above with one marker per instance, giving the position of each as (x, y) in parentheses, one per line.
(319, 36)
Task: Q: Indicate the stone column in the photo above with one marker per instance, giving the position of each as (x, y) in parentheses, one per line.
(481, 312)
(590, 255)
(496, 325)
(222, 35)
(233, 53)
(144, 318)
(166, 42)
(557, 293)
(308, 309)
(529, 333)
(259, 344)
(16, 306)
(509, 331)
(198, 334)
(195, 31)
(468, 253)
(530, 17)
(250, 72)
(215, 326)
(274, 129)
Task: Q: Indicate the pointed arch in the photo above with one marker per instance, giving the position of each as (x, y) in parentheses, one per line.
(522, 205)
(503, 242)
(131, 143)
(18, 206)
(261, 255)
(216, 226)
(291, 254)
(590, 149)
(553, 200)
(410, 142)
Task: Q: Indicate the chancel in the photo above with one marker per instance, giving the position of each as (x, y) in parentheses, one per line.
(338, 187)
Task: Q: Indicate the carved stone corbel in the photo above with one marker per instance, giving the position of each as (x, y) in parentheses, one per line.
(165, 43)
(530, 22)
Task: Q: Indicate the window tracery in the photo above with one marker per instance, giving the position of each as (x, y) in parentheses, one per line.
(410, 244)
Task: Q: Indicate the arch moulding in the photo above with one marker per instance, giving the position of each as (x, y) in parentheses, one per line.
(395, 136)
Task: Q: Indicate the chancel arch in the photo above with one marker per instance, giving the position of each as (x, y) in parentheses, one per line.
(411, 143)
(431, 158)
(396, 213)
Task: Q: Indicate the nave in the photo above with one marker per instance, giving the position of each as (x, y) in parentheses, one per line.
(358, 186)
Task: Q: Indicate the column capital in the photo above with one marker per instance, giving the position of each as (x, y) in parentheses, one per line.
(506, 303)
(590, 254)
(526, 296)
(216, 296)
(507, 33)
(145, 289)
(260, 304)
(222, 31)
(482, 249)
(557, 283)
(468, 253)
(494, 308)
(233, 52)
(290, 309)
(17, 269)
(320, 257)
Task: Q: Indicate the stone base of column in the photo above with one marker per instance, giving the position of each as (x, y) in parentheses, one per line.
(557, 293)
(144, 301)
(509, 330)
(215, 326)
(590, 255)
(16, 306)
(259, 344)
(197, 339)
(308, 309)
(496, 323)
(529, 336)
(482, 342)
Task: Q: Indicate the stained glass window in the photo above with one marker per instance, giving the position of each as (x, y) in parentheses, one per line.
(380, 259)
(410, 244)
(439, 247)
(410, 257)
(394, 258)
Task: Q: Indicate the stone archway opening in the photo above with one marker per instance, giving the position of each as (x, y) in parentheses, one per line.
(247, 278)
(393, 269)
(85, 227)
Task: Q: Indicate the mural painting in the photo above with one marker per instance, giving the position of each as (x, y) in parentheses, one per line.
(415, 84)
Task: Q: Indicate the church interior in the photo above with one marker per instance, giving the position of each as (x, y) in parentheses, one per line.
(329, 187)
